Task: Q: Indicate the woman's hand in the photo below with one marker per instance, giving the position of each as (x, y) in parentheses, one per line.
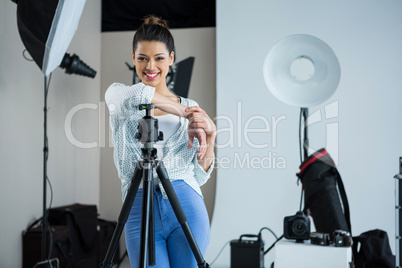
(198, 133)
(199, 119)
(203, 128)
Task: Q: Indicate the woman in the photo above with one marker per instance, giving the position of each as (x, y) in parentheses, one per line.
(188, 161)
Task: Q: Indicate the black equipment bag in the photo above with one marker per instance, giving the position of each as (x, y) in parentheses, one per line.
(106, 229)
(60, 247)
(247, 253)
(321, 182)
(371, 250)
(79, 238)
(82, 222)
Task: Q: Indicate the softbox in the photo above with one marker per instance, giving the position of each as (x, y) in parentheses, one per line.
(46, 28)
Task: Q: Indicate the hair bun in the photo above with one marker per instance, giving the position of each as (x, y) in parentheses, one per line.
(156, 21)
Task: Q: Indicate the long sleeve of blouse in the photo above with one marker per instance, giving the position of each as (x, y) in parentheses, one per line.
(180, 162)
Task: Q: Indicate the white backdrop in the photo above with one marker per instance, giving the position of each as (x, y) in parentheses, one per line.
(360, 123)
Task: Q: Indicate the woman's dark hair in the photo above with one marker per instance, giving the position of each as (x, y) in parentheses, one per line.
(154, 29)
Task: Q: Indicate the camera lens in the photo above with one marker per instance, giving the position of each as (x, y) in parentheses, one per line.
(299, 227)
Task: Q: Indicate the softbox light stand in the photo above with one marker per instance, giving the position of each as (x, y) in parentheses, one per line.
(45, 157)
(46, 29)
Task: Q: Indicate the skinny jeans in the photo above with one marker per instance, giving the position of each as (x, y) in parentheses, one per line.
(172, 249)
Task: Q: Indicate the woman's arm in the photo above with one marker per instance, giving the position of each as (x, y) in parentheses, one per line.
(199, 119)
(206, 161)
(123, 100)
(171, 106)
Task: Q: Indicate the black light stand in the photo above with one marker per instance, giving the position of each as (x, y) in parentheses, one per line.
(398, 216)
(304, 145)
(304, 112)
(148, 134)
(45, 156)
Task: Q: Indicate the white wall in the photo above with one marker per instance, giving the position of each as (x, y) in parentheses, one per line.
(73, 172)
(365, 35)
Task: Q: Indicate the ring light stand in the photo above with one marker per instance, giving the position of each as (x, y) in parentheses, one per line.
(302, 70)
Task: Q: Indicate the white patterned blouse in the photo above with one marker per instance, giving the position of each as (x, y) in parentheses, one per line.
(180, 162)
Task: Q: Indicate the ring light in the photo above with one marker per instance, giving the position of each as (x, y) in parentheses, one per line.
(301, 70)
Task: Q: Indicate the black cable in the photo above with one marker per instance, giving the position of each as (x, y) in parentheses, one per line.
(301, 199)
(277, 240)
(50, 242)
(25, 57)
(46, 156)
(51, 193)
(220, 252)
(300, 136)
(122, 259)
(266, 228)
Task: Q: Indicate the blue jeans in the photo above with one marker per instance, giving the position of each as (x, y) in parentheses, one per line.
(172, 249)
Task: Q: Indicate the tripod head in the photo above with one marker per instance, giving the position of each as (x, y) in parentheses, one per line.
(148, 132)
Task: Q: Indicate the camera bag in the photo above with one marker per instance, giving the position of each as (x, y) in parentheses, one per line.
(322, 186)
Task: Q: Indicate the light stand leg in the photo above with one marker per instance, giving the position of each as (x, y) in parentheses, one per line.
(178, 210)
(124, 213)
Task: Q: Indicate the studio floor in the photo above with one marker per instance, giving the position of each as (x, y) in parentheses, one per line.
(125, 264)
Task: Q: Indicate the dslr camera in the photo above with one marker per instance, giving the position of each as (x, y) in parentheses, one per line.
(297, 227)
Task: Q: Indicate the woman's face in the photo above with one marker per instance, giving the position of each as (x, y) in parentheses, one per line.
(152, 61)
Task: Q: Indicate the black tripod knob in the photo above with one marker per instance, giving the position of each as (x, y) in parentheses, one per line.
(160, 136)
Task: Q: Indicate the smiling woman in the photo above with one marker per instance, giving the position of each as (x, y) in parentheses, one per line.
(182, 120)
(152, 61)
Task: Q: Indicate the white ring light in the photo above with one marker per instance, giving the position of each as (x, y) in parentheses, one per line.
(301, 70)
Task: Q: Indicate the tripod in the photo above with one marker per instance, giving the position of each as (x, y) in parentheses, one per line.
(148, 134)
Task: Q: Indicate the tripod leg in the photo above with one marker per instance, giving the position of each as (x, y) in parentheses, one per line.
(145, 213)
(151, 237)
(124, 213)
(178, 210)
